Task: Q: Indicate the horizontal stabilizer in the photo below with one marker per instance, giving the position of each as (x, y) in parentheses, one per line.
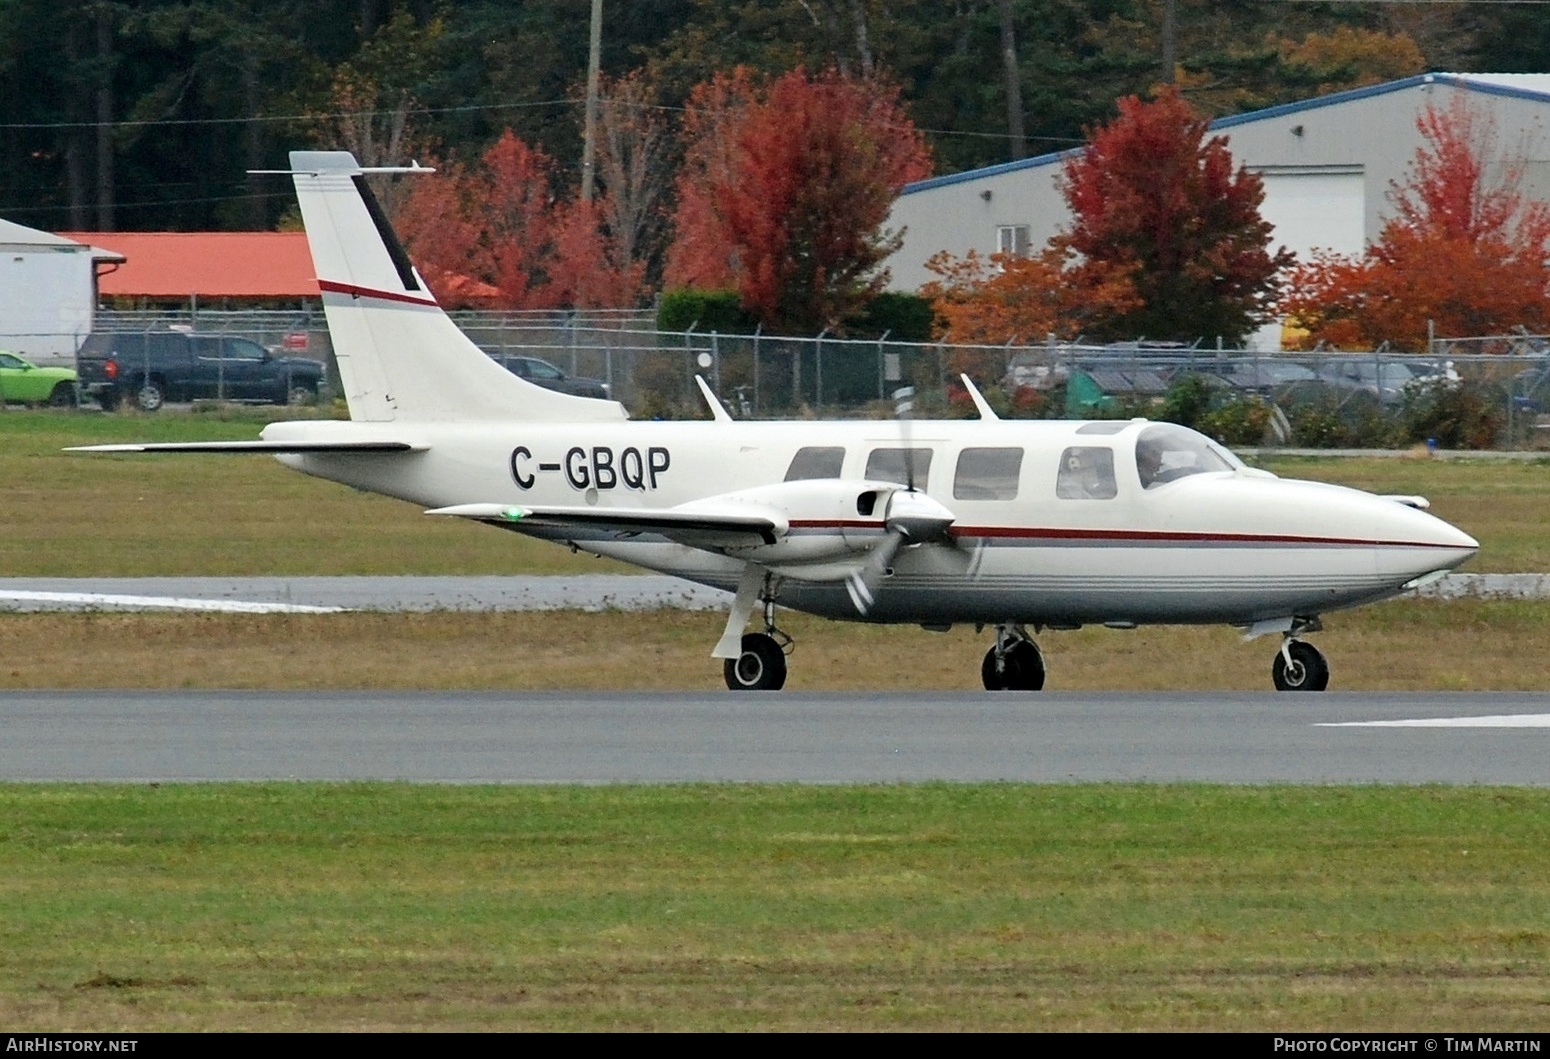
(694, 528)
(272, 447)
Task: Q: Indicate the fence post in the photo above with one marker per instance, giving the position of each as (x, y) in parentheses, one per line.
(818, 370)
(757, 331)
(882, 363)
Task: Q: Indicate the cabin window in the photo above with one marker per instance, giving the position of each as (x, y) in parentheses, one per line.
(1086, 473)
(1166, 453)
(987, 474)
(815, 462)
(887, 465)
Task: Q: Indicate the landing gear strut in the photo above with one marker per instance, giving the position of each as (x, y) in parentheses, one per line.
(761, 666)
(1014, 663)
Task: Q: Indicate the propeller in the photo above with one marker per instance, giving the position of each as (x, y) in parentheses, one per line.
(912, 518)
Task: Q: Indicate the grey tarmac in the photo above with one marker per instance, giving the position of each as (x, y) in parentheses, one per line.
(593, 738)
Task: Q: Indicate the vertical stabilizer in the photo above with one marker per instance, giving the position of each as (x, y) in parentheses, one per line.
(400, 357)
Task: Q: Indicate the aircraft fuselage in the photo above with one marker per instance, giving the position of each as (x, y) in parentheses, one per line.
(1233, 545)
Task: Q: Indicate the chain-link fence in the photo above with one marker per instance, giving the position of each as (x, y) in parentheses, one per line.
(1491, 391)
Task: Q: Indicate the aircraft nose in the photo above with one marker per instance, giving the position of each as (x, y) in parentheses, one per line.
(1441, 545)
(1440, 534)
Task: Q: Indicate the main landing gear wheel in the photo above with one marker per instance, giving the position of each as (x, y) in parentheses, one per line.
(1019, 668)
(1306, 671)
(761, 666)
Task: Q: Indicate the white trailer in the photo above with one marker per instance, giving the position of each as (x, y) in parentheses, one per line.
(48, 293)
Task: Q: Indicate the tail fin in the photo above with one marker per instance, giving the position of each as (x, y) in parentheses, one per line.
(400, 357)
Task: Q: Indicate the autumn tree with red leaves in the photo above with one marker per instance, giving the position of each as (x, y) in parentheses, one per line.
(785, 189)
(1165, 242)
(1462, 250)
(1155, 201)
(492, 235)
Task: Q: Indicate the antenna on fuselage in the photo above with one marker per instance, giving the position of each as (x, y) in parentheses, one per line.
(981, 405)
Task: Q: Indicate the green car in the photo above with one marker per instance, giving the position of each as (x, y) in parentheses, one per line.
(25, 383)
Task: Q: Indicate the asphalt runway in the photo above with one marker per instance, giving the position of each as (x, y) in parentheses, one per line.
(497, 737)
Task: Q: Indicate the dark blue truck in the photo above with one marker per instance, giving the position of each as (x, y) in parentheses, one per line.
(149, 368)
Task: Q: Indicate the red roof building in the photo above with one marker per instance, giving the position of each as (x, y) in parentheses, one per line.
(207, 267)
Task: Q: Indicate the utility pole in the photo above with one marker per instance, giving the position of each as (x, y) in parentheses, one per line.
(1170, 39)
(589, 136)
(1014, 91)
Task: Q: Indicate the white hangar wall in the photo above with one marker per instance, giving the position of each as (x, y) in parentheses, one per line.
(1328, 166)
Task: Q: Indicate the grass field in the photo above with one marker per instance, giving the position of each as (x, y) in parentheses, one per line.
(1466, 645)
(936, 907)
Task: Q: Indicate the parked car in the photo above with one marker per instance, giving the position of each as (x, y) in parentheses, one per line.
(23, 382)
(542, 373)
(1265, 376)
(1385, 380)
(150, 368)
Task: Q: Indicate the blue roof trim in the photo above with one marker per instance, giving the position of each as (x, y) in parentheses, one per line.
(1334, 99)
(1281, 110)
(993, 170)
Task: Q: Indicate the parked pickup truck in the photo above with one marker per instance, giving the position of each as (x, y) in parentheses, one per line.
(150, 368)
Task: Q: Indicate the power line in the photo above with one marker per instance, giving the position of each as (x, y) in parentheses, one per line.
(277, 118)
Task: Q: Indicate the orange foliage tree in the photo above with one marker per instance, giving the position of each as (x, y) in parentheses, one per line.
(1005, 298)
(1462, 250)
(785, 189)
(493, 235)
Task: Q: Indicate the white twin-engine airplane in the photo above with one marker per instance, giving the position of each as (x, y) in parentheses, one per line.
(1006, 524)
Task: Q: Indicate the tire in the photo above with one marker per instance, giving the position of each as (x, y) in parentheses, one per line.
(1308, 671)
(1023, 668)
(301, 395)
(63, 396)
(149, 395)
(761, 666)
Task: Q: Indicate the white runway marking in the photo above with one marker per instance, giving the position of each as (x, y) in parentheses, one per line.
(1504, 720)
(108, 600)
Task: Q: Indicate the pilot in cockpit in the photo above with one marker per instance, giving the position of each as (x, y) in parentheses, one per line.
(1164, 455)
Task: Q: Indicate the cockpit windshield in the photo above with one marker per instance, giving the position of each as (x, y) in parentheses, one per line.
(1166, 453)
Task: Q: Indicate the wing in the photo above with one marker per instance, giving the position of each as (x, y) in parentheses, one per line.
(273, 447)
(710, 530)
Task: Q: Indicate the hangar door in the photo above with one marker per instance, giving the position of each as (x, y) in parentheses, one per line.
(1310, 209)
(1321, 208)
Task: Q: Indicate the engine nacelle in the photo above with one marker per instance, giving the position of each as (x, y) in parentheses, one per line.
(823, 520)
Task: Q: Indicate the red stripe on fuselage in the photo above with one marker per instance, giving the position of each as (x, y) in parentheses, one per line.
(1135, 536)
(353, 291)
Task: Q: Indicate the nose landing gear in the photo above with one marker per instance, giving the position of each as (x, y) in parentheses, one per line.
(1299, 666)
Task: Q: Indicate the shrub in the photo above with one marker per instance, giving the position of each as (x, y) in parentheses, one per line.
(901, 316)
(705, 310)
(1241, 419)
(1456, 415)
